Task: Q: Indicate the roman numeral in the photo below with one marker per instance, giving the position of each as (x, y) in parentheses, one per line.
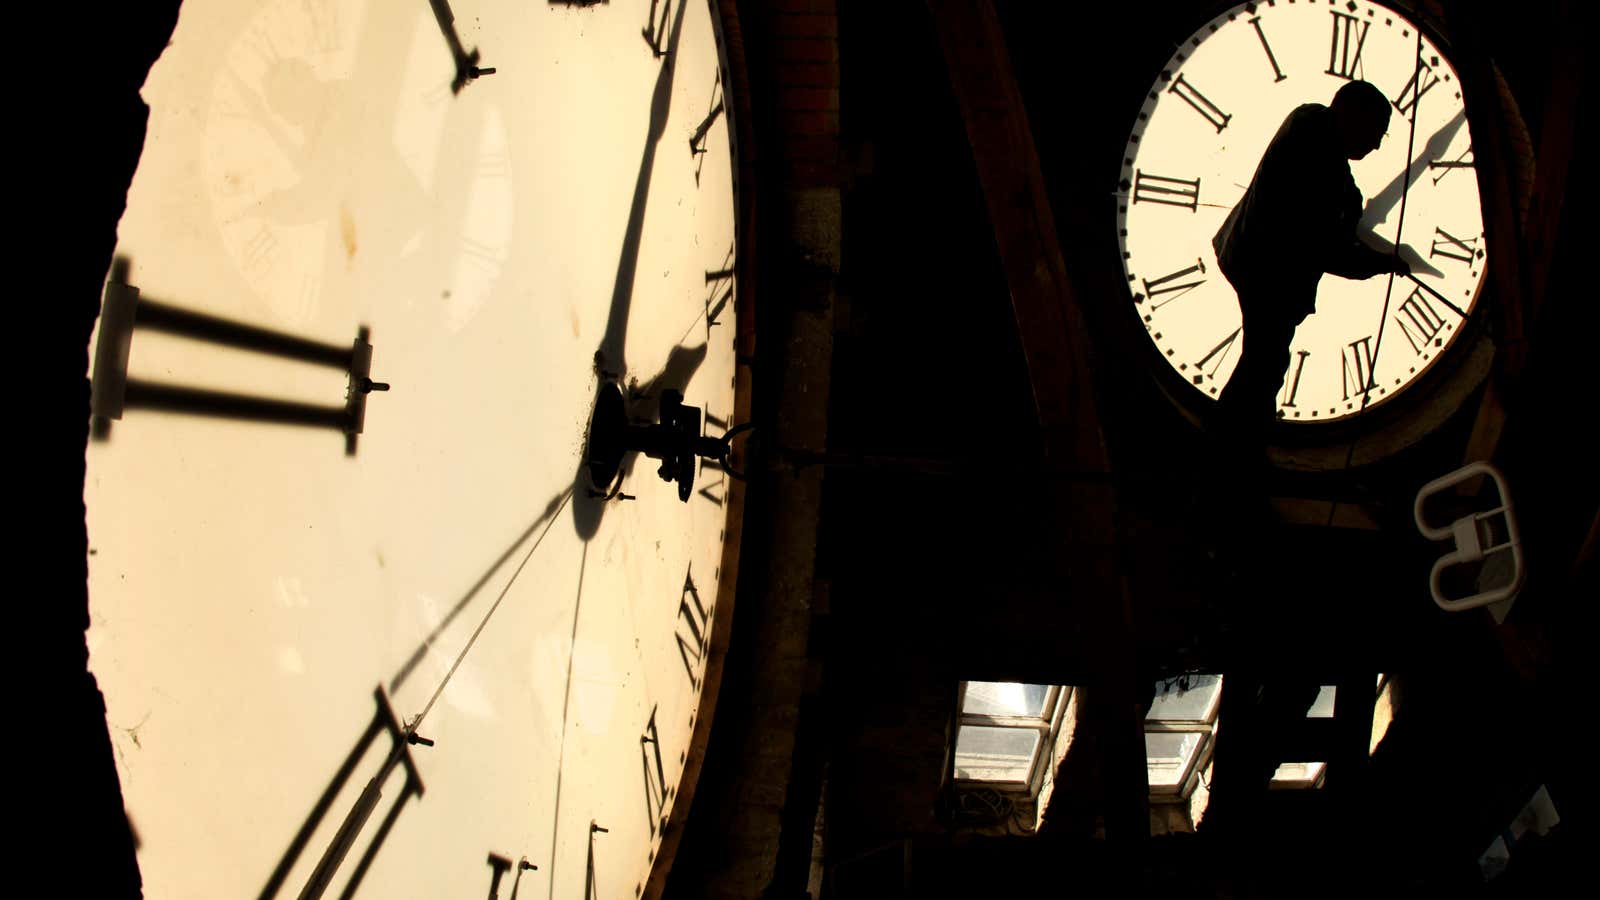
(656, 792)
(1219, 353)
(1421, 80)
(719, 292)
(1208, 110)
(655, 27)
(693, 614)
(716, 492)
(1418, 320)
(1294, 382)
(344, 838)
(1349, 35)
(1453, 247)
(1446, 166)
(1166, 285)
(1170, 191)
(697, 141)
(1355, 365)
(1256, 22)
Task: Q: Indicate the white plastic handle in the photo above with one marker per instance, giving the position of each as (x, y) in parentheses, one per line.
(1470, 535)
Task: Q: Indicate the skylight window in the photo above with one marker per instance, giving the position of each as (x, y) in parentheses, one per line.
(1006, 731)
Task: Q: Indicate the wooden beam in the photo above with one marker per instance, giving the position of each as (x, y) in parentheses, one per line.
(1049, 319)
(1055, 346)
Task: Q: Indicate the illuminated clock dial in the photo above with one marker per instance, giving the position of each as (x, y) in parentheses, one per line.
(1195, 144)
(390, 671)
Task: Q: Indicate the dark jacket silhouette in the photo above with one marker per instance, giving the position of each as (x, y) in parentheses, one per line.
(1296, 222)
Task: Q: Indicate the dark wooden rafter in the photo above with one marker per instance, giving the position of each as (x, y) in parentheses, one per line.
(1055, 345)
(1049, 319)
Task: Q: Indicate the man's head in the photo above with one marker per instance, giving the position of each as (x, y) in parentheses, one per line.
(1361, 112)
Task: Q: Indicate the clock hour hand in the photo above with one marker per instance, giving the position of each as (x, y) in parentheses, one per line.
(466, 61)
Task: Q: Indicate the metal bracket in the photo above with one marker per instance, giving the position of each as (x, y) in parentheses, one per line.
(1477, 537)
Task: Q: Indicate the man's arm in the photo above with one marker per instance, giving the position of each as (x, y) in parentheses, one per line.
(1348, 256)
(1354, 259)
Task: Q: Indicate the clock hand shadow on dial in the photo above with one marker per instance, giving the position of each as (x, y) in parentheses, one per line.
(1388, 198)
(611, 355)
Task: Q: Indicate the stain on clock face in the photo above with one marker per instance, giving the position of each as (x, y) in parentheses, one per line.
(1194, 146)
(297, 161)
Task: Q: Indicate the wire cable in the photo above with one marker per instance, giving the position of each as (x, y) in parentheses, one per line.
(1399, 233)
(411, 729)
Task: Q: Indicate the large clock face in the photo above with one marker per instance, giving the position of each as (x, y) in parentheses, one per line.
(271, 611)
(1195, 145)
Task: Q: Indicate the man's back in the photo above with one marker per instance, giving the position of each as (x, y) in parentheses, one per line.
(1301, 207)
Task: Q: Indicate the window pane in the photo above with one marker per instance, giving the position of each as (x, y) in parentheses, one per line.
(1168, 754)
(995, 754)
(1297, 773)
(1323, 707)
(1005, 698)
(1191, 705)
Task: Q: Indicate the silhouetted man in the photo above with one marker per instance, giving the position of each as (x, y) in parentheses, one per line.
(1296, 221)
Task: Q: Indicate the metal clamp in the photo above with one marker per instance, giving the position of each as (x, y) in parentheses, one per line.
(1476, 536)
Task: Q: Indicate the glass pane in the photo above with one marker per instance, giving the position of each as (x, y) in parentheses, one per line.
(995, 754)
(1299, 774)
(1168, 754)
(1323, 707)
(1005, 698)
(1192, 705)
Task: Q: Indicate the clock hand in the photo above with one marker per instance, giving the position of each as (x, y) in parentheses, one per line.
(1438, 296)
(1399, 232)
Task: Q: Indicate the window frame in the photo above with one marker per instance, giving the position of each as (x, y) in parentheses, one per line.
(1048, 724)
(1206, 727)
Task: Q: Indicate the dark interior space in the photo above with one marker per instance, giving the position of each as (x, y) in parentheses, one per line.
(940, 541)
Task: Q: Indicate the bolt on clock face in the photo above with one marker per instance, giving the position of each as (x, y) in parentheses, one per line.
(1194, 147)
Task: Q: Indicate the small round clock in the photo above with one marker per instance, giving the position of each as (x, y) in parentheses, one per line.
(414, 652)
(1194, 147)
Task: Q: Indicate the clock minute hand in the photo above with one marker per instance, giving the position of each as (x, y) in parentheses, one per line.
(1399, 234)
(1438, 296)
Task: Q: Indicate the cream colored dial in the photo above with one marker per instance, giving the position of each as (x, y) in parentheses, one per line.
(1195, 145)
(270, 616)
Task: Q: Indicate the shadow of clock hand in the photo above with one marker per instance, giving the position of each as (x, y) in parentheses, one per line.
(1387, 199)
(550, 510)
(611, 353)
(679, 370)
